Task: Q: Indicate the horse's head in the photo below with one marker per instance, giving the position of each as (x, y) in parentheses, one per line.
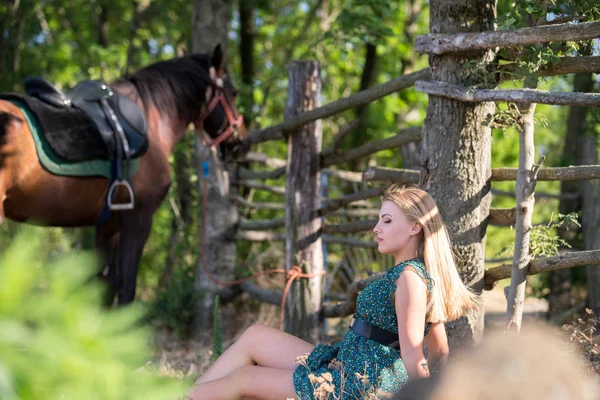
(193, 88)
(222, 121)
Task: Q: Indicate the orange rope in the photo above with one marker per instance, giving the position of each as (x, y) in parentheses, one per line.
(291, 275)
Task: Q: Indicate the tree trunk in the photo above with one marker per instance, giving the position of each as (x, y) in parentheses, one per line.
(303, 199)
(247, 58)
(457, 153)
(102, 25)
(218, 250)
(590, 219)
(210, 25)
(559, 299)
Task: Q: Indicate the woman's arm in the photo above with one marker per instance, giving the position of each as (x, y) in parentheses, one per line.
(411, 305)
(437, 346)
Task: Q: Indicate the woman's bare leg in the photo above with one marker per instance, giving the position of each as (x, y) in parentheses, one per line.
(248, 382)
(260, 345)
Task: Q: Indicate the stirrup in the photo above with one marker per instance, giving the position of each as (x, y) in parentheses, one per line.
(121, 206)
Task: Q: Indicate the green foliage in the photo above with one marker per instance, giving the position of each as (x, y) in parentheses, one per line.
(55, 340)
(543, 239)
(512, 14)
(174, 304)
(217, 347)
(75, 40)
(362, 21)
(530, 13)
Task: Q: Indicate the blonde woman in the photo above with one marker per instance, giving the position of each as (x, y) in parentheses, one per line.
(383, 348)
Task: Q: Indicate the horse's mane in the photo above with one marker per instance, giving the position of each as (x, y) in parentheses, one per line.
(176, 86)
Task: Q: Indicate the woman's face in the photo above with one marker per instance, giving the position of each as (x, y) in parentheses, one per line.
(395, 234)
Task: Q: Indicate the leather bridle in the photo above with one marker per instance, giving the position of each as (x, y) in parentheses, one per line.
(233, 122)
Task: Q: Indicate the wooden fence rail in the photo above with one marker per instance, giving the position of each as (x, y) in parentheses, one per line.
(461, 42)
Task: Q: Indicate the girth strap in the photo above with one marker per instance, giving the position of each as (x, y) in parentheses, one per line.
(372, 332)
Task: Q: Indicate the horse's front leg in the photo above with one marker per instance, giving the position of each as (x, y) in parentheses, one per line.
(107, 245)
(135, 229)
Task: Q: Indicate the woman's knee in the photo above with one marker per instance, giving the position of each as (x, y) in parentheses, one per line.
(254, 332)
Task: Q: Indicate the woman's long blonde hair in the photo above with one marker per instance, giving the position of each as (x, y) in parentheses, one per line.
(450, 298)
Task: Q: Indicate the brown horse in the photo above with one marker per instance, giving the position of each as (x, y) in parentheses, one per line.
(172, 94)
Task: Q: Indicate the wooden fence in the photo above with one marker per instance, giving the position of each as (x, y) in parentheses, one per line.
(305, 223)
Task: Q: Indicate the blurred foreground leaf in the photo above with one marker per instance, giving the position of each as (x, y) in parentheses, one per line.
(56, 342)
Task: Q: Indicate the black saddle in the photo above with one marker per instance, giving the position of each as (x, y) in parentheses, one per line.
(120, 122)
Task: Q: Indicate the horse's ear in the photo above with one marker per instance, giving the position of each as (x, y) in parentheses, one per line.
(218, 58)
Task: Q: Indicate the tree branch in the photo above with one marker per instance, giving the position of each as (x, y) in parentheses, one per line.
(264, 159)
(373, 174)
(244, 173)
(259, 185)
(349, 176)
(352, 227)
(259, 236)
(257, 205)
(260, 294)
(408, 135)
(261, 224)
(582, 172)
(564, 65)
(545, 264)
(441, 43)
(503, 216)
(465, 94)
(346, 103)
(357, 212)
(335, 204)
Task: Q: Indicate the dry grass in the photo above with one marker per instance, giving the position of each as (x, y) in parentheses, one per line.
(189, 359)
(582, 336)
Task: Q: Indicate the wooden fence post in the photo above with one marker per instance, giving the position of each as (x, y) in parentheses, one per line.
(590, 219)
(526, 180)
(303, 246)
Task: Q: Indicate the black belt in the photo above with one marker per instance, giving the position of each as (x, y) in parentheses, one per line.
(372, 332)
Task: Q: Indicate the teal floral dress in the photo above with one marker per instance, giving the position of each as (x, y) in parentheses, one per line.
(356, 366)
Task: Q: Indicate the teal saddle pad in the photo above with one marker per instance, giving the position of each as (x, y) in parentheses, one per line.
(57, 165)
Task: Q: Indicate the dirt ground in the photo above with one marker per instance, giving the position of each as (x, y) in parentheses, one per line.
(494, 304)
(189, 359)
